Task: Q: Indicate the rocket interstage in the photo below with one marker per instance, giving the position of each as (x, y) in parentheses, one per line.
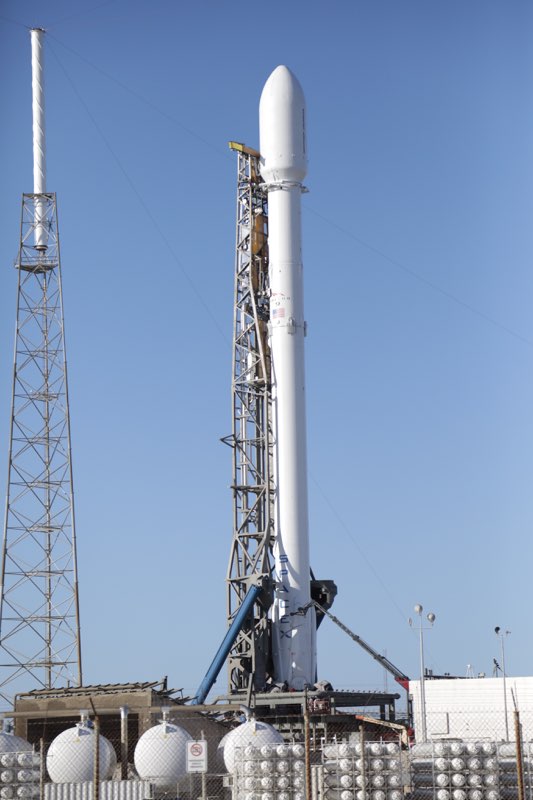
(283, 167)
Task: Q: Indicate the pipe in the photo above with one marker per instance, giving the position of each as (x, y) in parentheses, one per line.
(39, 139)
(225, 647)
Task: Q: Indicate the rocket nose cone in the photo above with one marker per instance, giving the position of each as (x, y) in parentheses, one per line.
(282, 127)
(282, 83)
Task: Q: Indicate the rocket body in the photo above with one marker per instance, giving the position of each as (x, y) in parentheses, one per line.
(283, 167)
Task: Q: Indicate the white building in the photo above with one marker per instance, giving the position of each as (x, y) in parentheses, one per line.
(473, 708)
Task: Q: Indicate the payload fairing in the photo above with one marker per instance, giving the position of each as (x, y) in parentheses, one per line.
(283, 167)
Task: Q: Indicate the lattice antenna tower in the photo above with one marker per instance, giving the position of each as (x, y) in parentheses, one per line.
(40, 645)
(251, 550)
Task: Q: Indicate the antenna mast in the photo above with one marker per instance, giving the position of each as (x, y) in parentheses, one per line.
(40, 644)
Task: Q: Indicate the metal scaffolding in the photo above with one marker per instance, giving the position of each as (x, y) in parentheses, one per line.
(251, 439)
(39, 607)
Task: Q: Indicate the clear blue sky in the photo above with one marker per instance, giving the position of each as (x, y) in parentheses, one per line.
(418, 253)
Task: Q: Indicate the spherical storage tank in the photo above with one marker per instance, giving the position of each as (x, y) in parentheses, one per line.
(256, 734)
(70, 757)
(161, 754)
(9, 743)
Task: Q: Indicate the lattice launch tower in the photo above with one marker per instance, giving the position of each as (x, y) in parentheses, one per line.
(40, 643)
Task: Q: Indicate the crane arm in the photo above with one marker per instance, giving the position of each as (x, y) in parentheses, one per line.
(399, 676)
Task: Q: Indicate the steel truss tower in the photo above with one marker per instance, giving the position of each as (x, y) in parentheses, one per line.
(251, 439)
(39, 607)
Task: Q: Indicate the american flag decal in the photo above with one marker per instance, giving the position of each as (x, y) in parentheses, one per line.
(278, 312)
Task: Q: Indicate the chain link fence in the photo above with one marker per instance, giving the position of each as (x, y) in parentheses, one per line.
(201, 758)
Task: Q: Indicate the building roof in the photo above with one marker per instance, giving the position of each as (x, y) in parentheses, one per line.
(158, 687)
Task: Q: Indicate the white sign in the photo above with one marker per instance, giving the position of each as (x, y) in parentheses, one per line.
(197, 756)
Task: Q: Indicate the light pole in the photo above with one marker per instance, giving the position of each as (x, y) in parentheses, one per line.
(431, 618)
(501, 635)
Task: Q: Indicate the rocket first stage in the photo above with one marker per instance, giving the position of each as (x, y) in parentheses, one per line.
(283, 167)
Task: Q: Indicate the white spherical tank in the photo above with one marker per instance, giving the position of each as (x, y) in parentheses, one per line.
(161, 754)
(70, 757)
(13, 744)
(257, 734)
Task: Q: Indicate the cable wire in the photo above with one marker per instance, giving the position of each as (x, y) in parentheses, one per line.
(145, 100)
(142, 202)
(425, 281)
(372, 248)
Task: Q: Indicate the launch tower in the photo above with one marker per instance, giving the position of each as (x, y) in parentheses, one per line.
(39, 609)
(250, 562)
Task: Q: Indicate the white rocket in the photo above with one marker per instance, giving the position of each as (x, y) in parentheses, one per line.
(283, 167)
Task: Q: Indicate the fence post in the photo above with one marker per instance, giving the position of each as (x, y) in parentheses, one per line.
(363, 758)
(519, 759)
(204, 776)
(96, 777)
(307, 744)
(42, 769)
(124, 710)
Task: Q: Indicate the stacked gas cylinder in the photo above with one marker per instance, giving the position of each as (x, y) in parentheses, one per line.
(273, 771)
(20, 775)
(465, 770)
(19, 768)
(363, 771)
